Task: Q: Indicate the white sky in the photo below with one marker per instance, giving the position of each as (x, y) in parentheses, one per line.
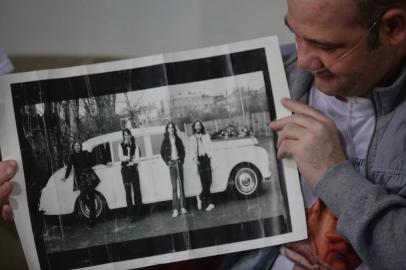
(253, 81)
(212, 87)
(142, 97)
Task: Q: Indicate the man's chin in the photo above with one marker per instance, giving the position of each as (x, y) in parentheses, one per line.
(328, 87)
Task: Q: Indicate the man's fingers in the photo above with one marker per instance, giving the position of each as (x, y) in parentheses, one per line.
(8, 169)
(287, 148)
(290, 132)
(297, 119)
(300, 108)
(7, 213)
(5, 190)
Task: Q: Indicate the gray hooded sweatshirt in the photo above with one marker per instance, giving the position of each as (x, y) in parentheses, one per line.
(371, 210)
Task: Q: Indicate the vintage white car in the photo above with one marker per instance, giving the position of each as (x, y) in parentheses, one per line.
(238, 163)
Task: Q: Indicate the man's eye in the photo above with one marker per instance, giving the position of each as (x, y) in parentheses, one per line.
(327, 49)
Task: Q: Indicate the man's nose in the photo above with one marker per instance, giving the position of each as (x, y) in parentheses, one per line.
(307, 56)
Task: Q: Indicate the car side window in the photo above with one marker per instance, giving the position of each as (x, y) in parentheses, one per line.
(156, 142)
(101, 154)
(138, 140)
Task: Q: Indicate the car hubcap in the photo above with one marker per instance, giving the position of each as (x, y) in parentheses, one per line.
(246, 181)
(85, 209)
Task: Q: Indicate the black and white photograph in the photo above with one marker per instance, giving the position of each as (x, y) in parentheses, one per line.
(147, 161)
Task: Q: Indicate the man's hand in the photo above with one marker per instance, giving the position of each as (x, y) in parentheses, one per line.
(310, 138)
(7, 170)
(171, 162)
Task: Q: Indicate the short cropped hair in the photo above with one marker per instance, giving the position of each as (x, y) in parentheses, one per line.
(370, 11)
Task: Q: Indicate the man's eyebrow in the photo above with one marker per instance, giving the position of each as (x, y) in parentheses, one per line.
(323, 43)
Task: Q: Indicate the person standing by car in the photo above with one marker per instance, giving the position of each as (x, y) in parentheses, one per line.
(85, 179)
(173, 153)
(129, 155)
(201, 149)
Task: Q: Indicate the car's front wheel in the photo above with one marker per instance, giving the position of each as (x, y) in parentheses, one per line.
(83, 209)
(246, 179)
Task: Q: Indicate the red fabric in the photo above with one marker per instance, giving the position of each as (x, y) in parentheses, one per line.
(325, 246)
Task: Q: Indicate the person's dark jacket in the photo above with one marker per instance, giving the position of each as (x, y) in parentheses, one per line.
(166, 149)
(133, 148)
(81, 162)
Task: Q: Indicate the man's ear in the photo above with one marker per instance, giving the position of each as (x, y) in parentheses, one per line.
(393, 27)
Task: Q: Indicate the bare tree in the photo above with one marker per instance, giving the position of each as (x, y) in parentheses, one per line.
(131, 112)
(73, 119)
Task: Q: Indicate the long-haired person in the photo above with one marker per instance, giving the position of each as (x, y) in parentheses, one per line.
(129, 155)
(173, 153)
(201, 149)
(85, 179)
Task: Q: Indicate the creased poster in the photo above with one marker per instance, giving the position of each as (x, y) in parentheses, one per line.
(151, 160)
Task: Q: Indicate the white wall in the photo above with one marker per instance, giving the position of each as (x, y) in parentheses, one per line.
(134, 27)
